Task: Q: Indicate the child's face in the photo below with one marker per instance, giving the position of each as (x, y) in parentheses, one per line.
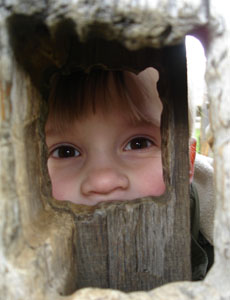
(105, 157)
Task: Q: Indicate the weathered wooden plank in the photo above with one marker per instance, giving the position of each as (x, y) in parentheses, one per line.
(143, 244)
(129, 246)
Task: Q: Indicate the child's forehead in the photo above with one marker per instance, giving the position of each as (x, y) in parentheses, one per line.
(143, 89)
(148, 77)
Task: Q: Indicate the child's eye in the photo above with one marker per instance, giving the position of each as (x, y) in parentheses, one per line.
(139, 143)
(65, 152)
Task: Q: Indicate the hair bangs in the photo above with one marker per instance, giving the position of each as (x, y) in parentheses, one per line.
(79, 94)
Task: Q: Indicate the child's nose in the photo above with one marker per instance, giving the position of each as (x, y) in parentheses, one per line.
(104, 182)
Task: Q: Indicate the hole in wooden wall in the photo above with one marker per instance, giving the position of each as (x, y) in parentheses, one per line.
(43, 53)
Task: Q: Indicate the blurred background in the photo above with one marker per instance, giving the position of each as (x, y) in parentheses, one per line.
(198, 100)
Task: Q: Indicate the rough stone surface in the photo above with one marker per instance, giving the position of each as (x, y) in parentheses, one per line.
(25, 254)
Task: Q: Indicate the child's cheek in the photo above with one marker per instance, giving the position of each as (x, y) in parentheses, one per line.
(58, 187)
(61, 180)
(149, 179)
(57, 193)
(64, 189)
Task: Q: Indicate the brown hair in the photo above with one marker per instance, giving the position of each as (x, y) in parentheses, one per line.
(80, 93)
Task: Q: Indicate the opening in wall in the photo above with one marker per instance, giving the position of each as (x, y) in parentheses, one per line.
(103, 136)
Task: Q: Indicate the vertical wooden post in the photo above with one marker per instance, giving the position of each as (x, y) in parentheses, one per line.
(145, 243)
